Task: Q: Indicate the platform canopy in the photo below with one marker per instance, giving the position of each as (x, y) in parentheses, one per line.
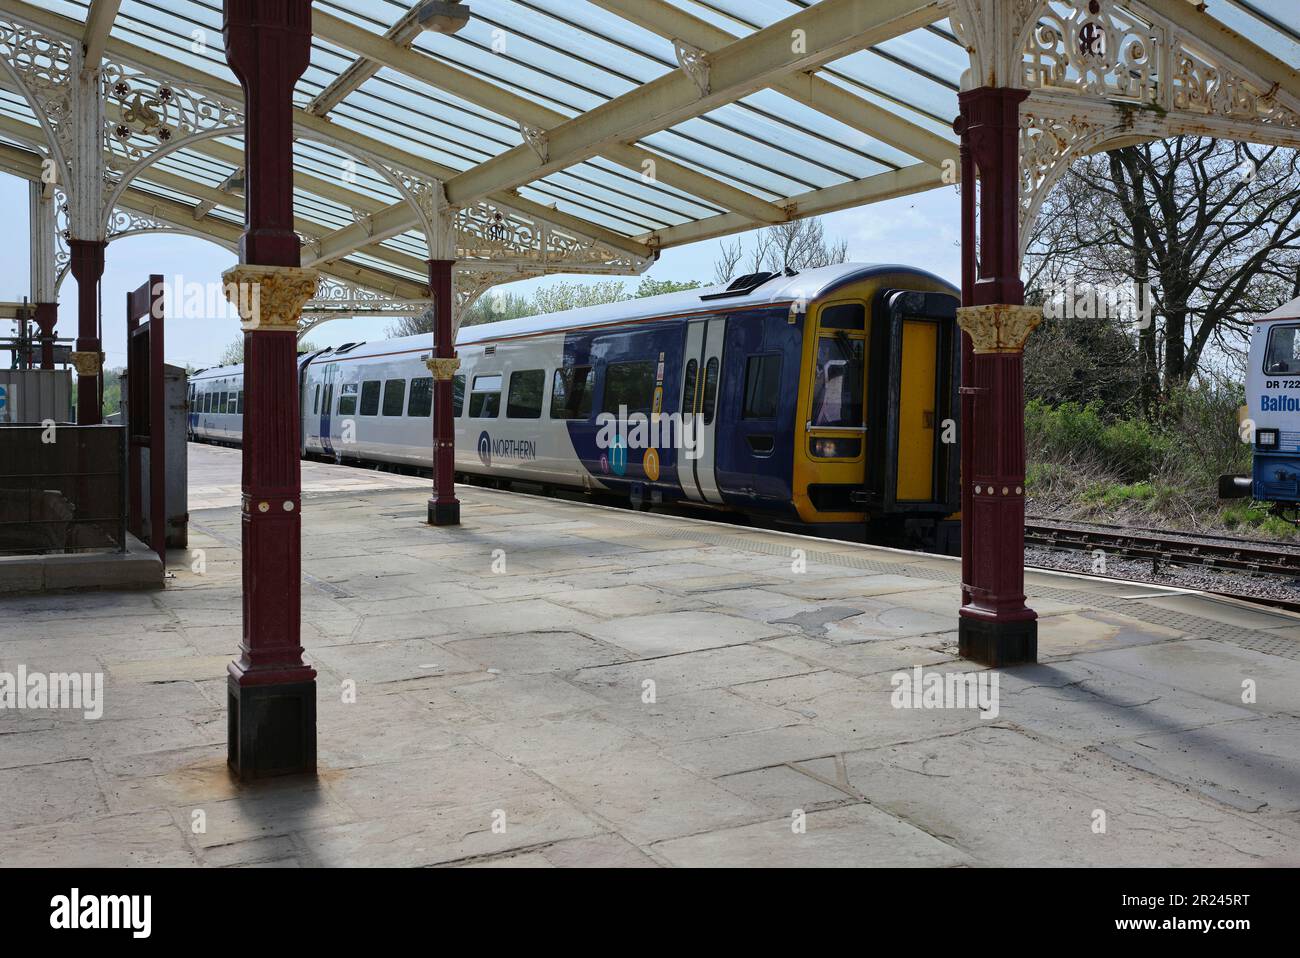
(585, 136)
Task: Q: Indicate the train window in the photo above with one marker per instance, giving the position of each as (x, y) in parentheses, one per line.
(421, 402)
(629, 388)
(315, 403)
(231, 401)
(485, 405)
(844, 316)
(837, 385)
(348, 399)
(457, 395)
(688, 387)
(1282, 357)
(762, 385)
(329, 399)
(394, 396)
(370, 398)
(239, 406)
(487, 384)
(571, 393)
(525, 398)
(710, 389)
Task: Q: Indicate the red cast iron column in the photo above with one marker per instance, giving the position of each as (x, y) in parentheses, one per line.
(272, 692)
(47, 315)
(87, 265)
(444, 507)
(995, 626)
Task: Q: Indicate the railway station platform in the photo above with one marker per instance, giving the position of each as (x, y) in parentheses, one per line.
(554, 683)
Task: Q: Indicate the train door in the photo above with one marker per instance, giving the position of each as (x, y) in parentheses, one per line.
(330, 378)
(702, 372)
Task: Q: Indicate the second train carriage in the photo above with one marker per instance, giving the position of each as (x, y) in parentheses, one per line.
(824, 398)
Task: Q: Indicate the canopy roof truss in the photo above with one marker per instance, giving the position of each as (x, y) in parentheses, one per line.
(588, 135)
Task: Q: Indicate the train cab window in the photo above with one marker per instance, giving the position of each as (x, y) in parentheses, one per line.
(524, 400)
(421, 401)
(629, 388)
(762, 385)
(844, 316)
(837, 383)
(1282, 357)
(457, 395)
(348, 399)
(370, 398)
(394, 396)
(485, 397)
(315, 403)
(710, 390)
(688, 387)
(239, 405)
(571, 393)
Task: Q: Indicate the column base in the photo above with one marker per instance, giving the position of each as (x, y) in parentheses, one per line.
(998, 644)
(271, 729)
(444, 513)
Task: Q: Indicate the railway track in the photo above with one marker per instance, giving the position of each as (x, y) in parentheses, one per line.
(1168, 548)
(1230, 567)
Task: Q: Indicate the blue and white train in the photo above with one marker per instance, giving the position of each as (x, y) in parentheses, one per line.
(825, 398)
(1273, 413)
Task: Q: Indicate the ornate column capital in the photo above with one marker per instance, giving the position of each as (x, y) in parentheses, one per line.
(442, 368)
(87, 363)
(998, 328)
(270, 298)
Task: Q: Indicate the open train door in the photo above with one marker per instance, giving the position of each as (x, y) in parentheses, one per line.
(146, 409)
(912, 393)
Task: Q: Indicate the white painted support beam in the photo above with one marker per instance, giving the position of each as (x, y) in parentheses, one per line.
(402, 33)
(831, 29)
(674, 23)
(99, 23)
(44, 219)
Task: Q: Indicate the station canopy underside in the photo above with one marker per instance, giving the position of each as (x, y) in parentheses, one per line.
(577, 136)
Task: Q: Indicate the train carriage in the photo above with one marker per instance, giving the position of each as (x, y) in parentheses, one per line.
(1273, 411)
(824, 398)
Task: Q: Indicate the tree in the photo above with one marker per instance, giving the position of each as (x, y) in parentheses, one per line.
(793, 245)
(233, 355)
(1210, 228)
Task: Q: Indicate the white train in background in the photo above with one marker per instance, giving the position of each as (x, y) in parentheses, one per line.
(1273, 414)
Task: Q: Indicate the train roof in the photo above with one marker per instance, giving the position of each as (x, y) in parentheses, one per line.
(807, 284)
(1289, 310)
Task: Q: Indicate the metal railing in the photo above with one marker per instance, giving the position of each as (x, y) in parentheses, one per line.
(62, 488)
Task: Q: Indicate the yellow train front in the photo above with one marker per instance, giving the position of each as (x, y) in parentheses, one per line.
(823, 400)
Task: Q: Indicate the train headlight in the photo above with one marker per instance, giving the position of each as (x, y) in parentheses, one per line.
(1266, 438)
(835, 448)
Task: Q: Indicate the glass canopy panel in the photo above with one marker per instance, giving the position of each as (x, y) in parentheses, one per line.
(1273, 25)
(184, 31)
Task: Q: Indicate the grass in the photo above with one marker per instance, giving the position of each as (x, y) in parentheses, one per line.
(1088, 465)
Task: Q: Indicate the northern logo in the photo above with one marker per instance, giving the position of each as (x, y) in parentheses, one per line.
(485, 448)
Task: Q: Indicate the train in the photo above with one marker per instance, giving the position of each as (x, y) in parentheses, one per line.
(1270, 419)
(824, 400)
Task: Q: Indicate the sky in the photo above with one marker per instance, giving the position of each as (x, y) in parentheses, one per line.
(921, 231)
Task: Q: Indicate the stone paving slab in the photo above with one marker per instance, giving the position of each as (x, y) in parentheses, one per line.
(558, 684)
